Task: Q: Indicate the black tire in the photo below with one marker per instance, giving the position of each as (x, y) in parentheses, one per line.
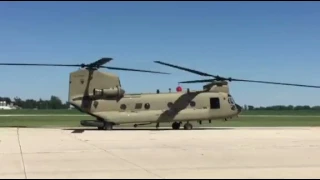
(175, 125)
(187, 126)
(108, 126)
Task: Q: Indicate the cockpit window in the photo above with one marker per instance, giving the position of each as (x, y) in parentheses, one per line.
(230, 100)
(119, 82)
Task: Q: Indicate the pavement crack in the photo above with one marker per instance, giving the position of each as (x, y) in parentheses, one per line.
(22, 158)
(123, 159)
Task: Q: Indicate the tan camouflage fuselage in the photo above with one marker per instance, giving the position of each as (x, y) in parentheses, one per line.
(100, 94)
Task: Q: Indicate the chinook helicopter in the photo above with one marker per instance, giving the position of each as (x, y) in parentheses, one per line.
(100, 95)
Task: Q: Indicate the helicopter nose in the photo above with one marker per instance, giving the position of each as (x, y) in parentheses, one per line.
(239, 108)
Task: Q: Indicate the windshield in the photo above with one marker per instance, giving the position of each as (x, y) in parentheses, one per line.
(230, 100)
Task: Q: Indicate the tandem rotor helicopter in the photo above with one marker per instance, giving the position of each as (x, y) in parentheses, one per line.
(100, 95)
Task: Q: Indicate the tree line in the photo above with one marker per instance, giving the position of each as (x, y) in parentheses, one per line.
(281, 107)
(56, 103)
(53, 103)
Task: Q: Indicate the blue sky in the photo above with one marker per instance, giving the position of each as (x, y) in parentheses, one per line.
(273, 41)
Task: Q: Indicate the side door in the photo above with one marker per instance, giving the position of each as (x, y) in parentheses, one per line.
(215, 103)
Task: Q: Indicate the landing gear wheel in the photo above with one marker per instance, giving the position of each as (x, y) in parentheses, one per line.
(100, 128)
(176, 125)
(187, 126)
(108, 126)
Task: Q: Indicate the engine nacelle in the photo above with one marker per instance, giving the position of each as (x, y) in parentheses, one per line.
(217, 86)
(110, 92)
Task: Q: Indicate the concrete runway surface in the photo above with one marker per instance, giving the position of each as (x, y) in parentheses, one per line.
(207, 153)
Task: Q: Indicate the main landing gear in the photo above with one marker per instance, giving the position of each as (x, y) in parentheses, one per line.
(176, 125)
(101, 124)
(106, 126)
(187, 126)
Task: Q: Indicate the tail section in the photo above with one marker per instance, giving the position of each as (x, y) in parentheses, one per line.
(85, 84)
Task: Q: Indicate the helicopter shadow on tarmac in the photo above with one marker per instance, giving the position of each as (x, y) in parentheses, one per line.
(82, 130)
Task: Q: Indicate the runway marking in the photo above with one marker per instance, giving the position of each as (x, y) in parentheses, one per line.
(21, 154)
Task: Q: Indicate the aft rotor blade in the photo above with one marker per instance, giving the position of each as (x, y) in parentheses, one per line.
(276, 83)
(100, 62)
(185, 69)
(198, 81)
(27, 64)
(136, 70)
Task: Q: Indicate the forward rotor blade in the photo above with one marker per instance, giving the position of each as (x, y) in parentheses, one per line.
(26, 64)
(253, 81)
(136, 70)
(185, 69)
(226, 79)
(276, 83)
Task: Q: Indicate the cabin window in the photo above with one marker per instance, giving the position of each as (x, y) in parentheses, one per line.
(170, 104)
(214, 103)
(123, 106)
(147, 106)
(192, 104)
(138, 105)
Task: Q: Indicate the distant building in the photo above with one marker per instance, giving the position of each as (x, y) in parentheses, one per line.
(71, 107)
(5, 106)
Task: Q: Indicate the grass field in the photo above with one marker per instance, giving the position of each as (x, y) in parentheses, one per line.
(247, 119)
(255, 112)
(30, 111)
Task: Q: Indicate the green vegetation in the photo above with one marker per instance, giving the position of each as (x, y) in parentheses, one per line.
(310, 112)
(74, 121)
(42, 121)
(41, 111)
(251, 116)
(56, 103)
(248, 112)
(53, 103)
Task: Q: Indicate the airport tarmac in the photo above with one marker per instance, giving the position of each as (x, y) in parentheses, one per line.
(199, 153)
